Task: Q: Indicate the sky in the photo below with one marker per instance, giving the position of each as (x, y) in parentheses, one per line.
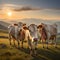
(21, 9)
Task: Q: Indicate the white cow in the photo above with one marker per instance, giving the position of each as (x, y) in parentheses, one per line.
(16, 32)
(31, 35)
(48, 32)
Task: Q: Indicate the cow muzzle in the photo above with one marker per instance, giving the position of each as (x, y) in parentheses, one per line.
(35, 39)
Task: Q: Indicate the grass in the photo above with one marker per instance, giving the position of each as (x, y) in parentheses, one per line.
(8, 52)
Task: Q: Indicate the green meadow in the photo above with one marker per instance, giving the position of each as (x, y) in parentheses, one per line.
(8, 52)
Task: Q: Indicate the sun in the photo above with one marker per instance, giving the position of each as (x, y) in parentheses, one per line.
(9, 13)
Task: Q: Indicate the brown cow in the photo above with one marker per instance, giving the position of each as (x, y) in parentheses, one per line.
(48, 32)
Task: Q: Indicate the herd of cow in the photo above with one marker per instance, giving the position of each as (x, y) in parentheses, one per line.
(32, 34)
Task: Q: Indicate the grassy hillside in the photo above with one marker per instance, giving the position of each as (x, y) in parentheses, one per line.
(8, 52)
(3, 23)
(4, 26)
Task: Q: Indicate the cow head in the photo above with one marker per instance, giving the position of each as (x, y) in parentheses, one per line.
(32, 28)
(21, 25)
(41, 27)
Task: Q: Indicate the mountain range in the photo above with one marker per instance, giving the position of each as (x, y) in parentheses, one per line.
(5, 24)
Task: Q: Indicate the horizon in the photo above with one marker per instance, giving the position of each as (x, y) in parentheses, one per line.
(28, 19)
(34, 21)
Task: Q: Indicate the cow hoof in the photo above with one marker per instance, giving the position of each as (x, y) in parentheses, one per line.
(43, 46)
(47, 47)
(21, 47)
(31, 54)
(35, 54)
(18, 47)
(27, 47)
(55, 46)
(10, 44)
(14, 45)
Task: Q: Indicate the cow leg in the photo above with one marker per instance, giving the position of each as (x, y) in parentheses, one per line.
(29, 44)
(55, 42)
(35, 51)
(10, 39)
(14, 41)
(18, 44)
(43, 43)
(31, 51)
(35, 47)
(10, 42)
(47, 43)
(52, 41)
(22, 44)
(31, 48)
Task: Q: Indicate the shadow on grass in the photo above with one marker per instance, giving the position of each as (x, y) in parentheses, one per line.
(25, 50)
(42, 54)
(2, 46)
(48, 54)
(4, 37)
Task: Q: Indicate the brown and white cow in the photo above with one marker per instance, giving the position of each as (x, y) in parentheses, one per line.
(48, 32)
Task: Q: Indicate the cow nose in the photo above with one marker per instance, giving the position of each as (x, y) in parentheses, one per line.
(35, 39)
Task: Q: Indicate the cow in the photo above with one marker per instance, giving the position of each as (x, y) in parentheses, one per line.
(48, 32)
(17, 33)
(31, 35)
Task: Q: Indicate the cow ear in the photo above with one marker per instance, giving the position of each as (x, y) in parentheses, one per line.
(38, 27)
(25, 28)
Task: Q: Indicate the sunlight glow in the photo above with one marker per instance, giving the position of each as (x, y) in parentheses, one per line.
(9, 13)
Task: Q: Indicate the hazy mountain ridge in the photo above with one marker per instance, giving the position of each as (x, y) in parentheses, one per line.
(30, 21)
(4, 25)
(35, 21)
(38, 21)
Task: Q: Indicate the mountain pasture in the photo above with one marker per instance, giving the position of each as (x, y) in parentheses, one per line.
(8, 52)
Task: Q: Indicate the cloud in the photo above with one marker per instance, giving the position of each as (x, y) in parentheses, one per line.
(19, 8)
(55, 9)
(25, 9)
(52, 8)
